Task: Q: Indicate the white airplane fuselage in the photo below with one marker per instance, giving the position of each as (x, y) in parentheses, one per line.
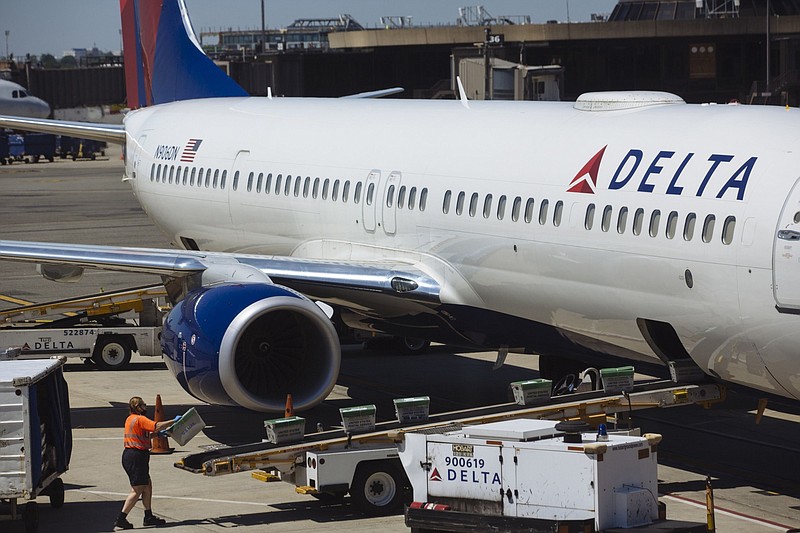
(15, 100)
(645, 251)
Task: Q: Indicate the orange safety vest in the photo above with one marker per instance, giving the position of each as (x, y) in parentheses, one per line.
(137, 432)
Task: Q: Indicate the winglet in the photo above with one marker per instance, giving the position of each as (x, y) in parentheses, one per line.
(462, 94)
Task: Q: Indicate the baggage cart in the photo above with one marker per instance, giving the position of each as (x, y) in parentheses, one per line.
(40, 145)
(35, 435)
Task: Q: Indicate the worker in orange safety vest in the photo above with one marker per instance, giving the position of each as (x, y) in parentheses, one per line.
(136, 462)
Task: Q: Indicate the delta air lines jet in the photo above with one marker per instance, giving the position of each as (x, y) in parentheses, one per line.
(622, 226)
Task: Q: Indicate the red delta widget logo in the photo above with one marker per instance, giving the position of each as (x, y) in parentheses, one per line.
(668, 172)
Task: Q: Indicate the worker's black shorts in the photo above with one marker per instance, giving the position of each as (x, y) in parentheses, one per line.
(137, 465)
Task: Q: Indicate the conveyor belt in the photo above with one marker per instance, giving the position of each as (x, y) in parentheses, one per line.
(659, 393)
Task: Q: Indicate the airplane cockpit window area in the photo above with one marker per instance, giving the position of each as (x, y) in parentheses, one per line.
(18, 94)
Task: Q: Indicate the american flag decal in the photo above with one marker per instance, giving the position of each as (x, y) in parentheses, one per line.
(190, 150)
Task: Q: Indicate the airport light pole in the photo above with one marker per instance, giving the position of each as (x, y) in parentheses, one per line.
(8, 32)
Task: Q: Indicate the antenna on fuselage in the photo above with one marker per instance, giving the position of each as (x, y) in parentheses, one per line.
(462, 94)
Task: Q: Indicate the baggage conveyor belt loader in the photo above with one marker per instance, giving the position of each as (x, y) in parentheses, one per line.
(104, 328)
(368, 466)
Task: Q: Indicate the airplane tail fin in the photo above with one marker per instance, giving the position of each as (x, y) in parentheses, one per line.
(163, 58)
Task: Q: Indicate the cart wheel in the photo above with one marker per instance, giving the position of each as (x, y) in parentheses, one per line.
(377, 488)
(30, 516)
(56, 493)
(111, 353)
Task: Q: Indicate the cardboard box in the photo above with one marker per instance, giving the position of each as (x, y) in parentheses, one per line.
(414, 409)
(358, 419)
(187, 427)
(284, 430)
(531, 391)
(617, 379)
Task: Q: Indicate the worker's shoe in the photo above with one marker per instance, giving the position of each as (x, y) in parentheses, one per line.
(153, 520)
(123, 523)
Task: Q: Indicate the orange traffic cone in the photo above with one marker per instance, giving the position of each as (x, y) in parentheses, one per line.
(289, 406)
(159, 444)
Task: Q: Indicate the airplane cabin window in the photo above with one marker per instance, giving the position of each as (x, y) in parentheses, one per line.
(315, 190)
(487, 206)
(796, 218)
(268, 183)
(501, 207)
(325, 186)
(200, 177)
(448, 195)
(223, 178)
(249, 181)
(346, 191)
(638, 221)
(515, 208)
(412, 197)
(473, 204)
(236, 181)
(178, 176)
(216, 178)
(622, 220)
(298, 181)
(708, 228)
(152, 172)
(688, 227)
(543, 212)
(185, 174)
(390, 196)
(727, 230)
(558, 212)
(605, 223)
(529, 210)
(171, 173)
(306, 186)
(423, 199)
(208, 178)
(655, 221)
(259, 180)
(460, 203)
(278, 181)
(672, 224)
(401, 197)
(191, 177)
(335, 193)
(588, 221)
(370, 193)
(288, 186)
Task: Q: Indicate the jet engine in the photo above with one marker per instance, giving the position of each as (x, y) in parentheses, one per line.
(251, 344)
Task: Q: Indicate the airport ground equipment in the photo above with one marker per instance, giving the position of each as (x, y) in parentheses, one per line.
(40, 145)
(332, 464)
(35, 435)
(92, 328)
(520, 475)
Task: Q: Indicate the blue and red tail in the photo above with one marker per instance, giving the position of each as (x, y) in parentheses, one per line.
(163, 59)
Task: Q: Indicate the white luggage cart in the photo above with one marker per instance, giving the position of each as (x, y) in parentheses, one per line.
(35, 435)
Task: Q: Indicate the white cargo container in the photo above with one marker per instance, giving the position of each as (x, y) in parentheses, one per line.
(525, 470)
(35, 434)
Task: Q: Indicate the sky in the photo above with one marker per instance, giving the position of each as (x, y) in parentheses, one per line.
(54, 26)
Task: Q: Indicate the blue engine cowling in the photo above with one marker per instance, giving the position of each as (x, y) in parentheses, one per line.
(251, 344)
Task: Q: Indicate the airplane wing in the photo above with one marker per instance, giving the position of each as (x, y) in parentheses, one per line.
(341, 280)
(113, 133)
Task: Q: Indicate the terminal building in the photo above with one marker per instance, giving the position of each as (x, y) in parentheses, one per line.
(701, 50)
